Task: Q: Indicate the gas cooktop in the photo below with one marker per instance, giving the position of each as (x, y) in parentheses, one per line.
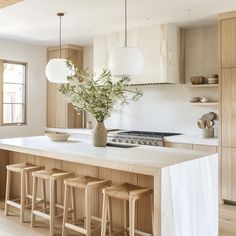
(140, 137)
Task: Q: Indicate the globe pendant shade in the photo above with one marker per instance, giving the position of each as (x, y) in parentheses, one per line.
(57, 71)
(126, 61)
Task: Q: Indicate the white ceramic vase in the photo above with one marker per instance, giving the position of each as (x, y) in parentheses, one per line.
(100, 135)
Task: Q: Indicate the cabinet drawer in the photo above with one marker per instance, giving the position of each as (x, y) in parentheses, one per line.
(179, 145)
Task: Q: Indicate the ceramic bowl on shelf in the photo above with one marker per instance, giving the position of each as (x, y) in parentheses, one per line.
(198, 80)
(57, 136)
(194, 99)
(211, 80)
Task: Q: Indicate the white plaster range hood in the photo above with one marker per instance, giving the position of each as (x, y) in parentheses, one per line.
(161, 49)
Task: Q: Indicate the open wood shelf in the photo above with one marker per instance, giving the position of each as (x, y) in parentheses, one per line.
(201, 85)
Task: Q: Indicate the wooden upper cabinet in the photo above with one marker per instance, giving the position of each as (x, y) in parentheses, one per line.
(60, 114)
(228, 42)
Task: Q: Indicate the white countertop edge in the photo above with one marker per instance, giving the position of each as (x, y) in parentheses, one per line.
(192, 139)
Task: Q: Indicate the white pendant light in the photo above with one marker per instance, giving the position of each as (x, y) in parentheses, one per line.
(56, 69)
(126, 60)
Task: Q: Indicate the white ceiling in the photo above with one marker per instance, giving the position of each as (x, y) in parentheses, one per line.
(35, 21)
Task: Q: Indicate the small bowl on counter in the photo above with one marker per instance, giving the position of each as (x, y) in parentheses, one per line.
(57, 136)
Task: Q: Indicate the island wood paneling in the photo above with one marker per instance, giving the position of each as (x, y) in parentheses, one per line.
(4, 160)
(117, 177)
(144, 205)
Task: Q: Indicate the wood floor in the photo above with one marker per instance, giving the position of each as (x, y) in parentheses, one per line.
(10, 226)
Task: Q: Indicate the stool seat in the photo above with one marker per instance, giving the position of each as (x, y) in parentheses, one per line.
(21, 166)
(126, 190)
(46, 174)
(86, 181)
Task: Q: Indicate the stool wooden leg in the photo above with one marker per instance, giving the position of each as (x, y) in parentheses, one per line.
(27, 188)
(104, 214)
(7, 197)
(52, 205)
(34, 195)
(43, 190)
(72, 192)
(131, 217)
(88, 211)
(55, 198)
(126, 216)
(152, 210)
(109, 216)
(65, 213)
(22, 201)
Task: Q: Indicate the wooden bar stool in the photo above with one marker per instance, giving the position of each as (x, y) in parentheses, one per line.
(24, 169)
(49, 213)
(85, 183)
(129, 194)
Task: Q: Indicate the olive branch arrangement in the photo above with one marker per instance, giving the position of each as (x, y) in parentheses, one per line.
(97, 95)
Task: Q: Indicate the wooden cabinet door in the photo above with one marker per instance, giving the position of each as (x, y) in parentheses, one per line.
(228, 45)
(60, 114)
(228, 173)
(56, 105)
(228, 107)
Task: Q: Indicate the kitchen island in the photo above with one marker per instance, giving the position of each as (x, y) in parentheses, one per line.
(185, 182)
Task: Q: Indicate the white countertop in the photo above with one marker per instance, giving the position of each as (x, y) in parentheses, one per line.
(192, 139)
(141, 159)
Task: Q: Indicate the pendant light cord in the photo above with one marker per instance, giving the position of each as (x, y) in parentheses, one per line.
(126, 44)
(60, 15)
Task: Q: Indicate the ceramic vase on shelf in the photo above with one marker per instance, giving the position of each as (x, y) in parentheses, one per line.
(100, 135)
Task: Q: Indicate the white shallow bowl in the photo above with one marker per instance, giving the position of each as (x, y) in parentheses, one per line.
(57, 136)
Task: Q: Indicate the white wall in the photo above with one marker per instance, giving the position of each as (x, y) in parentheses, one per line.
(165, 107)
(35, 56)
(162, 108)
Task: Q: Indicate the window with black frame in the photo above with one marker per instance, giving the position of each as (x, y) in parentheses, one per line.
(13, 93)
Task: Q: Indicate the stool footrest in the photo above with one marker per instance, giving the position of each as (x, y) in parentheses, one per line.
(139, 232)
(42, 215)
(14, 204)
(76, 228)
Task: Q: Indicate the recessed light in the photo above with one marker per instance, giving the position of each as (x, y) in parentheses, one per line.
(147, 18)
(189, 9)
